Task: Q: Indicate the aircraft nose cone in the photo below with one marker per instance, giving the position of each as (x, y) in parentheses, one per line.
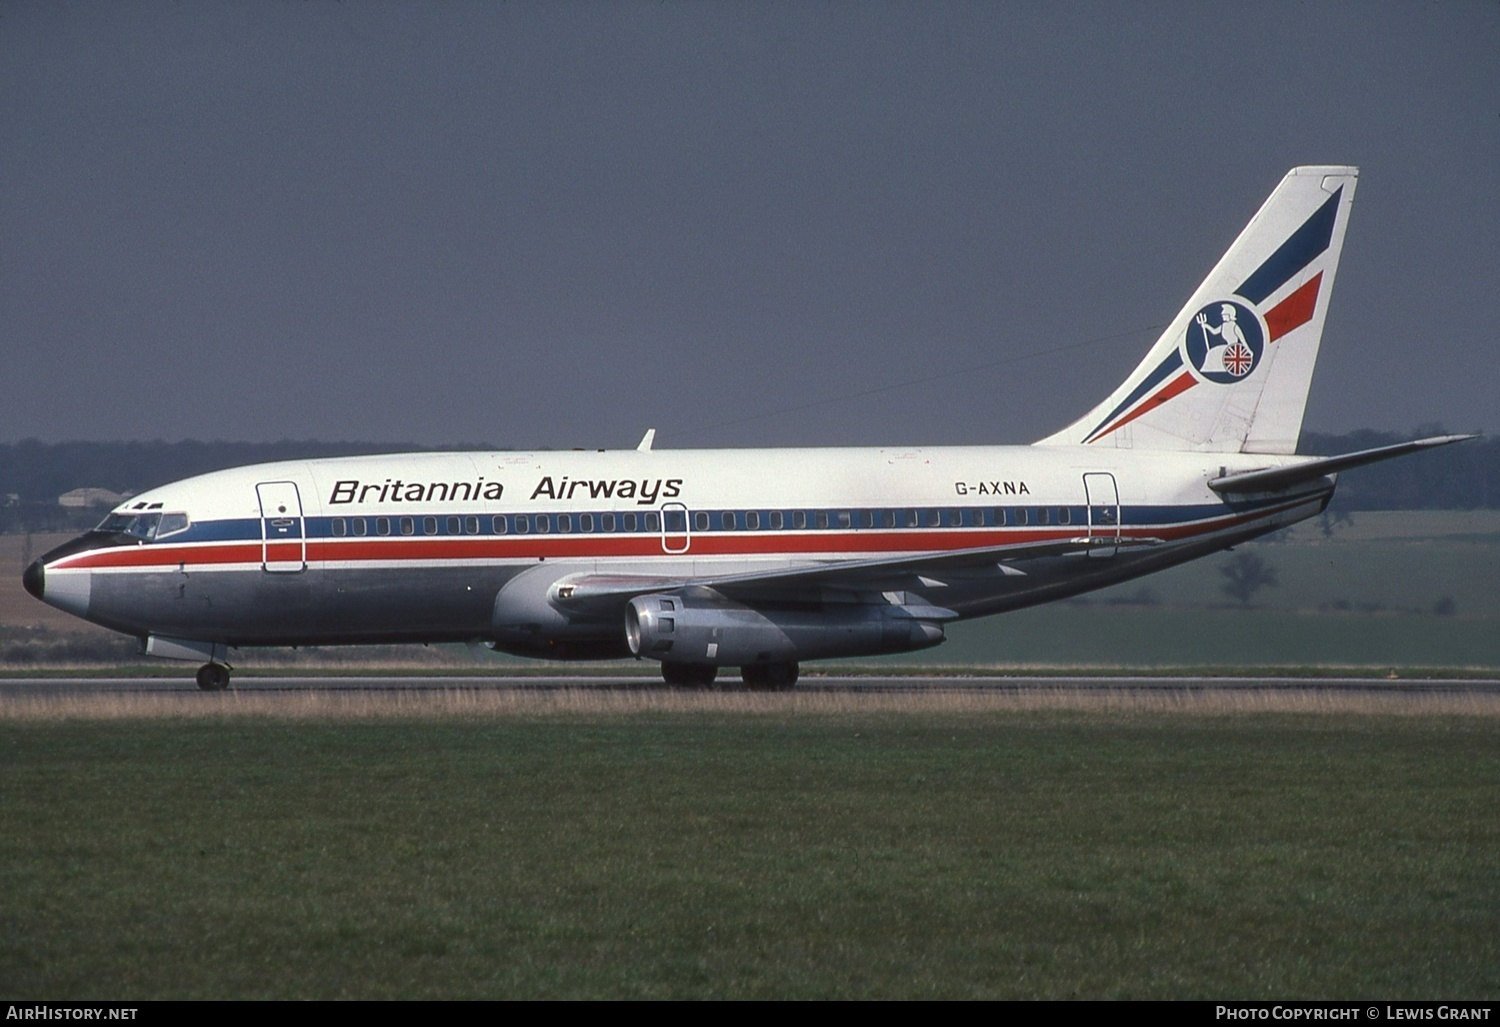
(35, 578)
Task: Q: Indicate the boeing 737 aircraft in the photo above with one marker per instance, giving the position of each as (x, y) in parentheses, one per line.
(756, 559)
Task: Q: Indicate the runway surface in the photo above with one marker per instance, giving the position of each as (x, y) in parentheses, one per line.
(15, 687)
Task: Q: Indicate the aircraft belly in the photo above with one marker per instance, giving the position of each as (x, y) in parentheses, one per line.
(316, 606)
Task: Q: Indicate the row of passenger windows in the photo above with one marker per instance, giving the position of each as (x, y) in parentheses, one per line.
(506, 524)
(720, 520)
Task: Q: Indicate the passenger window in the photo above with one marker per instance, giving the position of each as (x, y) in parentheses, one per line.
(340, 527)
(606, 522)
(471, 525)
(820, 519)
(455, 526)
(523, 524)
(408, 526)
(630, 522)
(500, 525)
(752, 520)
(564, 523)
(700, 521)
(543, 524)
(1041, 515)
(382, 525)
(777, 521)
(359, 525)
(999, 517)
(1065, 515)
(429, 525)
(653, 522)
(585, 522)
(1021, 518)
(799, 518)
(728, 521)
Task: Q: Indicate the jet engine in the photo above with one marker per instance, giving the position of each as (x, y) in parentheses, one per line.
(708, 629)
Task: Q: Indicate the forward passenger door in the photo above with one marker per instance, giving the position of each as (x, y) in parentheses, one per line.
(283, 537)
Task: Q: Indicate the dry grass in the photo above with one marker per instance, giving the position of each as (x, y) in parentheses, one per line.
(487, 703)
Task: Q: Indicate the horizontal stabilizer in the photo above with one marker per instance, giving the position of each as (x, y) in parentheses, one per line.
(1274, 479)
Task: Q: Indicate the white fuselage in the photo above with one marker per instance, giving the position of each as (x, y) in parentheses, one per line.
(422, 547)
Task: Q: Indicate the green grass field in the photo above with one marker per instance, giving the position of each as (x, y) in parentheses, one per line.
(747, 846)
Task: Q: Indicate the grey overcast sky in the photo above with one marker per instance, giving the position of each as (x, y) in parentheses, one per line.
(556, 224)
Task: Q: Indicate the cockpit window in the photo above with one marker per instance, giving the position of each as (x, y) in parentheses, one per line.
(142, 526)
(171, 524)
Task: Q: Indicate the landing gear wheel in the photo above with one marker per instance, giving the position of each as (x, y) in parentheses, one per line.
(213, 677)
(769, 677)
(689, 675)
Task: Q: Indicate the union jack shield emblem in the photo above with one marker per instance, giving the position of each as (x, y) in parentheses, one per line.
(1238, 359)
(1224, 341)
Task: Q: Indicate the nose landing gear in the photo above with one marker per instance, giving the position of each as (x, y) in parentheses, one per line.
(213, 677)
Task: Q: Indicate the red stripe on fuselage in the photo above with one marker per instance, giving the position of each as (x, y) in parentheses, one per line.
(163, 556)
(579, 547)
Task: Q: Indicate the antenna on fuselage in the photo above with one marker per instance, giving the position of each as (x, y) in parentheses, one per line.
(646, 440)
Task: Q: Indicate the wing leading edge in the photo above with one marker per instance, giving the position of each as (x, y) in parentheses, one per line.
(606, 591)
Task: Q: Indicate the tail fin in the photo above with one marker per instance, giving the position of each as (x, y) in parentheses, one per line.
(1232, 370)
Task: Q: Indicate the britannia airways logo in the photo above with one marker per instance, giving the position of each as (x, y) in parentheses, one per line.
(1224, 342)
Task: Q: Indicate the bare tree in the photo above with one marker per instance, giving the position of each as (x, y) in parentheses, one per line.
(1246, 575)
(1328, 521)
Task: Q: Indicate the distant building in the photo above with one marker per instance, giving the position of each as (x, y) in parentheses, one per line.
(79, 498)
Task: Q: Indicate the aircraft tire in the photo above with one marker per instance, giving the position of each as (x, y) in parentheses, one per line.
(213, 677)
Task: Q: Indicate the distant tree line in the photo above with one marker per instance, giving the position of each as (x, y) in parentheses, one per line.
(1462, 477)
(34, 474)
(1465, 476)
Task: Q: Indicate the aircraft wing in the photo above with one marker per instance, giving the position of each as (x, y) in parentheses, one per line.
(900, 573)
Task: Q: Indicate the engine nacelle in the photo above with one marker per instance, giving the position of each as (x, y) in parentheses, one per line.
(709, 629)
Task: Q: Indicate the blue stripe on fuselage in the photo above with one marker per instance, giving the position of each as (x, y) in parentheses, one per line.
(906, 518)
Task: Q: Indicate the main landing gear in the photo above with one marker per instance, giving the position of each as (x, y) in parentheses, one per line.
(213, 677)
